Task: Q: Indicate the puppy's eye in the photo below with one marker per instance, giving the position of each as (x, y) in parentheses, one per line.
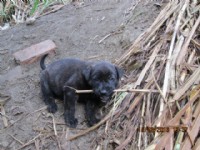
(95, 80)
(112, 78)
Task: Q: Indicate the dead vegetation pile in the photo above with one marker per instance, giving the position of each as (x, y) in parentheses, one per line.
(164, 61)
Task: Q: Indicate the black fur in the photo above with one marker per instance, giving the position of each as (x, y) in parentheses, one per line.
(102, 77)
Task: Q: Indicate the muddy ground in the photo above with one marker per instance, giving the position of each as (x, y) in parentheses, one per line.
(78, 31)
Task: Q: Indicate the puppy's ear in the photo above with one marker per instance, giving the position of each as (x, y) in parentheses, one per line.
(86, 73)
(119, 71)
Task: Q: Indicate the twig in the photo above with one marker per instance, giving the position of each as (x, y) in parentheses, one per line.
(54, 9)
(45, 107)
(123, 90)
(93, 57)
(16, 139)
(119, 90)
(54, 125)
(92, 128)
(105, 37)
(108, 35)
(30, 142)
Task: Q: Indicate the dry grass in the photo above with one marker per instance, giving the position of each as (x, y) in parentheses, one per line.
(20, 11)
(164, 58)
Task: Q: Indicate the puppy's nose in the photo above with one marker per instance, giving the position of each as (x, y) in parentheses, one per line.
(103, 92)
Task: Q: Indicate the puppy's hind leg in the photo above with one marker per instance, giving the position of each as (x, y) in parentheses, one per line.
(48, 96)
(70, 99)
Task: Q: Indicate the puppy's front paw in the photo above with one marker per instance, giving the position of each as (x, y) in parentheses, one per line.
(92, 121)
(71, 122)
(52, 108)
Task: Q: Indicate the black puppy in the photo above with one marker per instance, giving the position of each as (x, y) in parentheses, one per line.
(102, 77)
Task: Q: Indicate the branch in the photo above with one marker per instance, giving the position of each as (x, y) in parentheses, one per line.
(119, 90)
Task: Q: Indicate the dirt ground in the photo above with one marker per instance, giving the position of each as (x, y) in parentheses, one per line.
(78, 31)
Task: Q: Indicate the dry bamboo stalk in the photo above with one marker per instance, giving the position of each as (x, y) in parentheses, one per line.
(141, 124)
(148, 64)
(196, 125)
(147, 121)
(197, 145)
(177, 49)
(188, 111)
(184, 72)
(170, 144)
(196, 43)
(122, 146)
(138, 98)
(197, 109)
(176, 119)
(179, 140)
(162, 17)
(171, 49)
(193, 78)
(178, 116)
(184, 49)
(193, 132)
(169, 58)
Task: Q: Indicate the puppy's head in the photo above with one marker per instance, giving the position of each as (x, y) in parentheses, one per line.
(103, 77)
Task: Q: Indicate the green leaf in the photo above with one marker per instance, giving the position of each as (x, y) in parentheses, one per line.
(35, 7)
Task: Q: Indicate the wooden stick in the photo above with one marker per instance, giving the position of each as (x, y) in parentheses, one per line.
(117, 90)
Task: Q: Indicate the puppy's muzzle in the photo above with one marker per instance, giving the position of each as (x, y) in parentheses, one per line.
(105, 96)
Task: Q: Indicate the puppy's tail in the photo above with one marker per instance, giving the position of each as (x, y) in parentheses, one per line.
(42, 65)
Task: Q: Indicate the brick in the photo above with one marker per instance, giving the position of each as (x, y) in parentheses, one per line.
(34, 52)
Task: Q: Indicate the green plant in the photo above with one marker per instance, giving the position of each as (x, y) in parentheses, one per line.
(6, 9)
(20, 10)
